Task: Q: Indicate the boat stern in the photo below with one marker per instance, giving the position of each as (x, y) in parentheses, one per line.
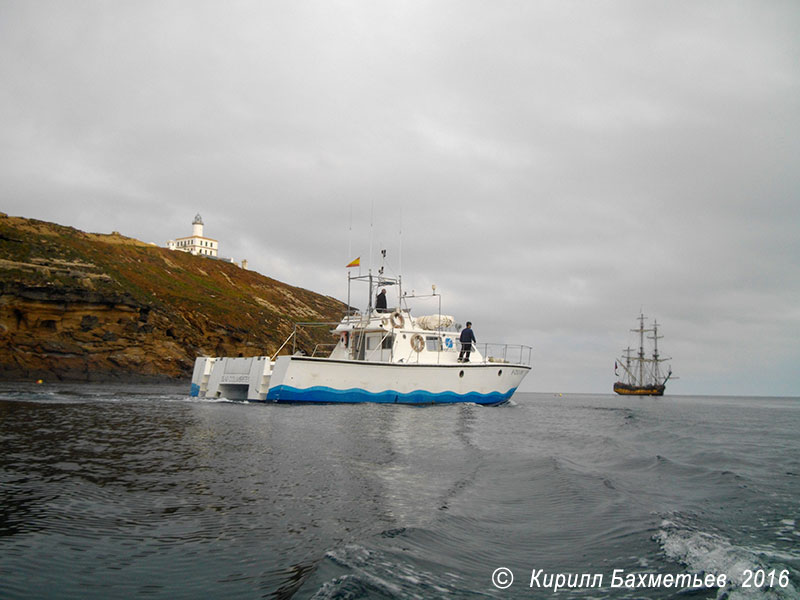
(234, 378)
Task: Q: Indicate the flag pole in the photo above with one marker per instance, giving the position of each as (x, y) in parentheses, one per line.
(350, 235)
(349, 254)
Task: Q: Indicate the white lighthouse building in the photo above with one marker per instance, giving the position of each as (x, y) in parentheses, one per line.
(197, 226)
(196, 243)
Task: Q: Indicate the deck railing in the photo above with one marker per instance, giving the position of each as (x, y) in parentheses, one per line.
(323, 349)
(518, 354)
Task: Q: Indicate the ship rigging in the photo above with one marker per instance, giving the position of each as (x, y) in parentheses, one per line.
(642, 372)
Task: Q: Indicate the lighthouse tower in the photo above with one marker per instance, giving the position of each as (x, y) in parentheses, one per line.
(197, 243)
(197, 226)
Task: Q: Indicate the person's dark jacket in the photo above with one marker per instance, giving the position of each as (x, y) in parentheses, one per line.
(467, 336)
(380, 302)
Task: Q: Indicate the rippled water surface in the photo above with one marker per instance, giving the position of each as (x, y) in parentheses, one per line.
(142, 492)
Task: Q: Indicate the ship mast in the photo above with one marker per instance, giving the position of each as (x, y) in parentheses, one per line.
(657, 357)
(641, 358)
(631, 378)
(655, 337)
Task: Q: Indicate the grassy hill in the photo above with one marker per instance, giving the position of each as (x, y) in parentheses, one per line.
(85, 306)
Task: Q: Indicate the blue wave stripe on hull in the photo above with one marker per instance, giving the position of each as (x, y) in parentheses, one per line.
(285, 393)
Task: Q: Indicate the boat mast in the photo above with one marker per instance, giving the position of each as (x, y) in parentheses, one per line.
(655, 337)
(640, 358)
(628, 351)
(630, 378)
(348, 296)
(369, 298)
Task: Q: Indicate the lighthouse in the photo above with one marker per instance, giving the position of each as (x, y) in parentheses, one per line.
(196, 243)
(197, 226)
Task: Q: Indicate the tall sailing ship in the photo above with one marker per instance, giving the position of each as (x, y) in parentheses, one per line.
(642, 374)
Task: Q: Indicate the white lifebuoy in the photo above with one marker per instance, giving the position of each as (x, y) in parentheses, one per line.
(397, 320)
(417, 343)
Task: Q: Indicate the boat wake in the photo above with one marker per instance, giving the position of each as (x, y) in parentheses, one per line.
(748, 569)
(362, 572)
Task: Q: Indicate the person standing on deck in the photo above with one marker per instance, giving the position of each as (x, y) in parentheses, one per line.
(380, 301)
(467, 339)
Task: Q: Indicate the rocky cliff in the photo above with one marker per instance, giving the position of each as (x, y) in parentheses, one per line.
(83, 306)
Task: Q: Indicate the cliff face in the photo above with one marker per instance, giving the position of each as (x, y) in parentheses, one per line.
(82, 306)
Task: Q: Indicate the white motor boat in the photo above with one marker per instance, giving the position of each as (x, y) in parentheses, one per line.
(382, 355)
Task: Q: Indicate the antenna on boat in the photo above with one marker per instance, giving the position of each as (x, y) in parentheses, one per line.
(400, 250)
(350, 255)
(371, 232)
(350, 235)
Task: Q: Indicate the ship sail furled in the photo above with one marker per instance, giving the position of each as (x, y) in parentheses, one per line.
(642, 373)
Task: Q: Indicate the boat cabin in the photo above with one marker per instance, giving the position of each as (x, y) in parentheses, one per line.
(393, 335)
(399, 338)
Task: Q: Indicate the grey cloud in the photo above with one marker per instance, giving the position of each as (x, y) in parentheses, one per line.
(554, 167)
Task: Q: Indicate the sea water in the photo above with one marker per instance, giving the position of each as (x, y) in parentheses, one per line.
(142, 492)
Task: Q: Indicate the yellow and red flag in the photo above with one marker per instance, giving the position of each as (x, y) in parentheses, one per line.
(355, 263)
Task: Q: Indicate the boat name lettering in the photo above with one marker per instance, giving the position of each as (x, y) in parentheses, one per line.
(235, 379)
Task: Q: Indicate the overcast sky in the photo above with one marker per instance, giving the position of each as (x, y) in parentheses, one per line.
(553, 167)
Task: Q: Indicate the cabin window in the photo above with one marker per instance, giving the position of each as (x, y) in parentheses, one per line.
(372, 341)
(433, 343)
(388, 342)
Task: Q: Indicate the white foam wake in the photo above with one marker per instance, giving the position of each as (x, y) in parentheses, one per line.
(704, 552)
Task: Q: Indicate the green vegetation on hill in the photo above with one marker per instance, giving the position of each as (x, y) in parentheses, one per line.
(86, 306)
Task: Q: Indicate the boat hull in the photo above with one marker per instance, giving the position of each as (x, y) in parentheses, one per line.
(321, 380)
(624, 389)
